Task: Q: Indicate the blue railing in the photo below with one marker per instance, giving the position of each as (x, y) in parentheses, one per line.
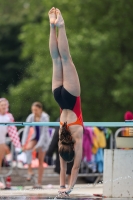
(98, 124)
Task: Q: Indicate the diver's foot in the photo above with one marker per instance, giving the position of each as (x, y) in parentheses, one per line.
(52, 16)
(59, 22)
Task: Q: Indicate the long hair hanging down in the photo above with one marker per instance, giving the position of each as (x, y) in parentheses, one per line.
(65, 136)
(66, 144)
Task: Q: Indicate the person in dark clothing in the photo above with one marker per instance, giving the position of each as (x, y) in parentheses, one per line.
(53, 147)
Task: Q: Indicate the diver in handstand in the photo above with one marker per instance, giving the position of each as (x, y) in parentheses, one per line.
(66, 91)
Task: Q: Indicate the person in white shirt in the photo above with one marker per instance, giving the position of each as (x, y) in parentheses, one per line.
(5, 116)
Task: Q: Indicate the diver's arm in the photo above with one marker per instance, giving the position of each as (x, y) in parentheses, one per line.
(77, 161)
(63, 167)
(75, 169)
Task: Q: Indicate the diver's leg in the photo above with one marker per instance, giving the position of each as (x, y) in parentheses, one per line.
(57, 79)
(70, 77)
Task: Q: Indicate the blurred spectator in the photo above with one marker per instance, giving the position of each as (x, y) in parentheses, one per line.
(38, 141)
(5, 116)
(53, 148)
(128, 131)
(30, 154)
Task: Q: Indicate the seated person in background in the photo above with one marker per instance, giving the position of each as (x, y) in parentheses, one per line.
(5, 116)
(29, 154)
(39, 140)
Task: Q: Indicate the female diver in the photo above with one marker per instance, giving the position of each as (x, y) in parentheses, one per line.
(66, 90)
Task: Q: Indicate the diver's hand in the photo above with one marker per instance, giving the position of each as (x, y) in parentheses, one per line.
(67, 191)
(62, 190)
(63, 194)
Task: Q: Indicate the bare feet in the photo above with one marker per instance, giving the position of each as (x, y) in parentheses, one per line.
(59, 20)
(52, 16)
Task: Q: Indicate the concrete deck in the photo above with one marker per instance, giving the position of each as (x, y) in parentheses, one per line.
(80, 191)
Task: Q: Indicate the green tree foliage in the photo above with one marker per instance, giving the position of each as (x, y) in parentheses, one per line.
(11, 66)
(100, 38)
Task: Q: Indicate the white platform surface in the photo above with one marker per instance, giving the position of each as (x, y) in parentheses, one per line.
(118, 173)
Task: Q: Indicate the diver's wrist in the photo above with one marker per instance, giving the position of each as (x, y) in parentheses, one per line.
(62, 186)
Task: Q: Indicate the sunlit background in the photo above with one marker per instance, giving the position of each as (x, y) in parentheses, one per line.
(100, 36)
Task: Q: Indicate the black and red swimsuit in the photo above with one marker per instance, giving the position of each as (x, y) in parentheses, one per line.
(68, 101)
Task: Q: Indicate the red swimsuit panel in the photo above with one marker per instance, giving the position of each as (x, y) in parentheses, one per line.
(77, 110)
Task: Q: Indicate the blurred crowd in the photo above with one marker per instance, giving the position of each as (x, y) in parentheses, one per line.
(38, 146)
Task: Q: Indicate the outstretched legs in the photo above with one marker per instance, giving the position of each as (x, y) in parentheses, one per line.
(64, 71)
(70, 76)
(57, 79)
